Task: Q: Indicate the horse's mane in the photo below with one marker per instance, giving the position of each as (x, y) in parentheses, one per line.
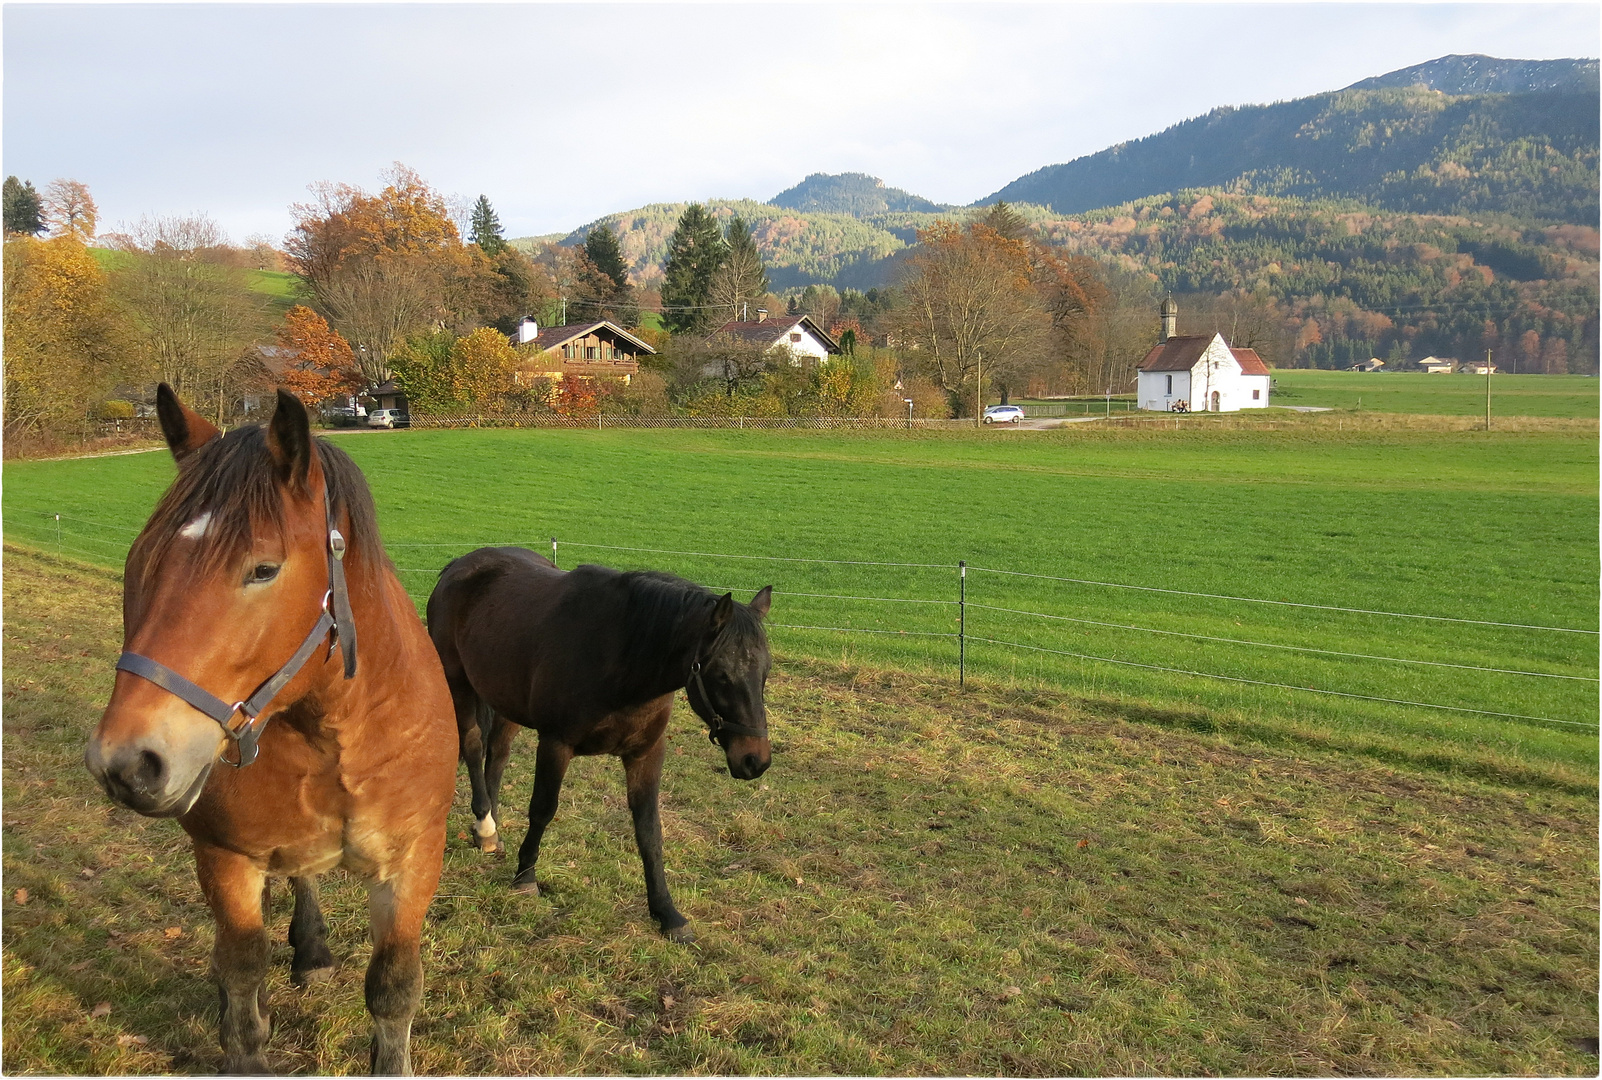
(664, 607)
(234, 478)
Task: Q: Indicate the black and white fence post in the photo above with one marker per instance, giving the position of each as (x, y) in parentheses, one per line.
(553, 551)
(962, 621)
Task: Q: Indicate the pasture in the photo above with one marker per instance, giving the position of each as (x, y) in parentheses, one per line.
(1439, 395)
(1067, 866)
(1004, 880)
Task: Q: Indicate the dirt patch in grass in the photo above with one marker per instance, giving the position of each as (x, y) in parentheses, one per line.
(926, 881)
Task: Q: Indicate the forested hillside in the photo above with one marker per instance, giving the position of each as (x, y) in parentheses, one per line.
(1403, 148)
(1477, 74)
(857, 194)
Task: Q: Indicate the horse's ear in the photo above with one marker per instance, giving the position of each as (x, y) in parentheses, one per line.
(289, 438)
(722, 610)
(762, 601)
(185, 429)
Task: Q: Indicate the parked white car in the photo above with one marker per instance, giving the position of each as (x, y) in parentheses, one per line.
(384, 418)
(1003, 414)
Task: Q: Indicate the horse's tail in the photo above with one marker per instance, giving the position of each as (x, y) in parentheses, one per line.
(486, 720)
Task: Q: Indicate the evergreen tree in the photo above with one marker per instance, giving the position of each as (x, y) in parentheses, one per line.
(602, 248)
(487, 228)
(22, 207)
(742, 280)
(695, 251)
(1005, 221)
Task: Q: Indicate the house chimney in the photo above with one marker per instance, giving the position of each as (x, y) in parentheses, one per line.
(762, 314)
(1170, 317)
(527, 331)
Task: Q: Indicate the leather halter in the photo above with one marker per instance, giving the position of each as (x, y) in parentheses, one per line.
(336, 616)
(716, 725)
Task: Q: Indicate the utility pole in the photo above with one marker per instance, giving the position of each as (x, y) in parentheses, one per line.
(979, 391)
(564, 311)
(1487, 389)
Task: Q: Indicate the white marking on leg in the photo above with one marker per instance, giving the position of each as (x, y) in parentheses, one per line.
(485, 827)
(196, 528)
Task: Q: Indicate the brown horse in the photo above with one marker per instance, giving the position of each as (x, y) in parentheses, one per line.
(591, 659)
(268, 539)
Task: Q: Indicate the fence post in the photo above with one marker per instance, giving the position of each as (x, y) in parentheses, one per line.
(962, 622)
(553, 551)
(58, 535)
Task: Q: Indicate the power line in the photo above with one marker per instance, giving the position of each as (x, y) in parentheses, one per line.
(1282, 603)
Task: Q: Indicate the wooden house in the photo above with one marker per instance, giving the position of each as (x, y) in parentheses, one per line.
(597, 349)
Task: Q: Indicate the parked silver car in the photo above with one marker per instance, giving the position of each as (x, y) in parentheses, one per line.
(385, 418)
(1003, 414)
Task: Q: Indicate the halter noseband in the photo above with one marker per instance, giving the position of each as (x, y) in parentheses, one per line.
(336, 616)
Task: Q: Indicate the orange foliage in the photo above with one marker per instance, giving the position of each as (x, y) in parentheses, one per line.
(323, 366)
(575, 397)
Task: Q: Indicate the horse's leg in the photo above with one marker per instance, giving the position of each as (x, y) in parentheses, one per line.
(395, 976)
(233, 885)
(500, 749)
(308, 935)
(550, 765)
(644, 775)
(470, 735)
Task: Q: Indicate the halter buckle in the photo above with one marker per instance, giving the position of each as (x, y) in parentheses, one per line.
(245, 737)
(336, 544)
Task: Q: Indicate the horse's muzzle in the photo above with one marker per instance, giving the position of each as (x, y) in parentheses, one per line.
(142, 780)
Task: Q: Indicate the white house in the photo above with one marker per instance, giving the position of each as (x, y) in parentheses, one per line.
(805, 339)
(1437, 365)
(1199, 374)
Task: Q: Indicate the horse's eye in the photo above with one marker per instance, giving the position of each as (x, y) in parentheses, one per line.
(262, 574)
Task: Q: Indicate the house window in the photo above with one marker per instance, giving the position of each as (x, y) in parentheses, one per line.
(567, 352)
(590, 352)
(795, 337)
(1170, 384)
(1257, 395)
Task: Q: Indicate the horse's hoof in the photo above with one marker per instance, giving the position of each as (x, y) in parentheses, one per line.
(526, 888)
(679, 935)
(491, 844)
(308, 976)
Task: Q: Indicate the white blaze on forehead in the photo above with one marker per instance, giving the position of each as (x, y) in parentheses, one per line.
(196, 528)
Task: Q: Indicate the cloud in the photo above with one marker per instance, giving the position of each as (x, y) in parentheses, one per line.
(561, 113)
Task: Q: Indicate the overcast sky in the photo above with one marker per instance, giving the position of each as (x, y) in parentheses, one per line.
(561, 113)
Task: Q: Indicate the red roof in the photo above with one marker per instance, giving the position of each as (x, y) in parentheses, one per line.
(1181, 354)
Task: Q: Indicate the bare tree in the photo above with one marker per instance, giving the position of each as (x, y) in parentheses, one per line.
(195, 314)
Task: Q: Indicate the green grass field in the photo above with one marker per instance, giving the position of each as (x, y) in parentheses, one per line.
(1001, 881)
(1439, 395)
(1464, 525)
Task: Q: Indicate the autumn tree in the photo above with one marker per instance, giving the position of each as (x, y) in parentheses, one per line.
(195, 315)
(65, 339)
(381, 267)
(487, 227)
(741, 280)
(23, 209)
(971, 306)
(321, 365)
(482, 366)
(69, 210)
(695, 251)
(421, 366)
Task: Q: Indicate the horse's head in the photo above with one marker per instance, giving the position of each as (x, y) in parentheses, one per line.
(229, 574)
(728, 681)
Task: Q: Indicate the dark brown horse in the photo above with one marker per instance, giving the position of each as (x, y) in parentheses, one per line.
(266, 541)
(591, 660)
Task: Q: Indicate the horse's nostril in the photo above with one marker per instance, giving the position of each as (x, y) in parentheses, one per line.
(752, 763)
(148, 773)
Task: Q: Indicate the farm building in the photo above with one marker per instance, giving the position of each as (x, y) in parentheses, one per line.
(1373, 363)
(594, 349)
(1199, 373)
(805, 339)
(1436, 365)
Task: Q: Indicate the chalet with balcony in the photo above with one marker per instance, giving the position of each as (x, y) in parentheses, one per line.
(598, 349)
